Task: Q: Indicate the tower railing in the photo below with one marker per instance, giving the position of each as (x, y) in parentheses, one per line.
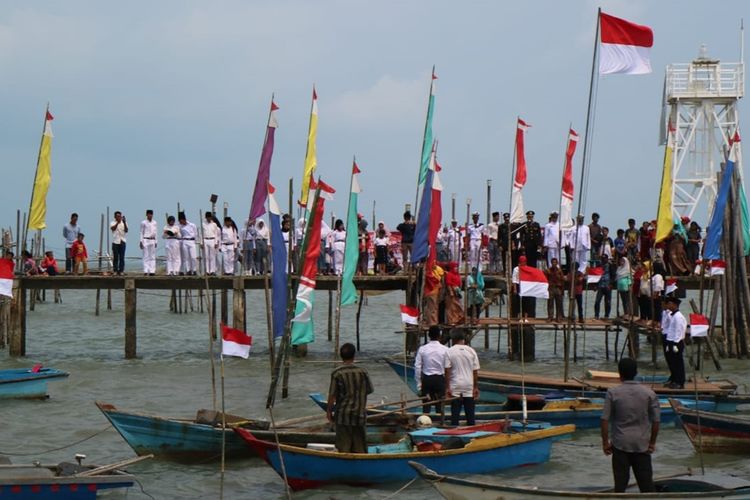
(705, 80)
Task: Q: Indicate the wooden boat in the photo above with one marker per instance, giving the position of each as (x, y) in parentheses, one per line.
(310, 468)
(63, 481)
(709, 486)
(495, 386)
(199, 439)
(27, 383)
(714, 432)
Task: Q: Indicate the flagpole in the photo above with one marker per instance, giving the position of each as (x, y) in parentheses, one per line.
(285, 379)
(562, 193)
(36, 174)
(509, 253)
(424, 141)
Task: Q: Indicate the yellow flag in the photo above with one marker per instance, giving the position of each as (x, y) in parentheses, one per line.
(664, 219)
(38, 209)
(311, 160)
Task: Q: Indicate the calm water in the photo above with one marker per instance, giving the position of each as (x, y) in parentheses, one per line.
(172, 377)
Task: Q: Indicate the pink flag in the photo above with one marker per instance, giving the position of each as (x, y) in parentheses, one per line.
(533, 282)
(625, 47)
(698, 325)
(409, 315)
(235, 342)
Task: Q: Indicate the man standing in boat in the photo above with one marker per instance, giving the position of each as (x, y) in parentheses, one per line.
(632, 411)
(350, 385)
(429, 371)
(461, 377)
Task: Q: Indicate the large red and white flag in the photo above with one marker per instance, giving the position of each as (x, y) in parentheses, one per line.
(6, 277)
(516, 199)
(698, 325)
(566, 198)
(409, 315)
(235, 342)
(594, 274)
(326, 191)
(718, 268)
(533, 282)
(625, 47)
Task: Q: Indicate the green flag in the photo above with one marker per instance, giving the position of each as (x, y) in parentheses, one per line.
(427, 141)
(351, 252)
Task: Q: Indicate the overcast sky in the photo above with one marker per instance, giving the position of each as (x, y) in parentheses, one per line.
(157, 103)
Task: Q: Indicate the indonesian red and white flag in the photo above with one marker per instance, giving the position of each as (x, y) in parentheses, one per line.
(566, 198)
(533, 282)
(235, 342)
(326, 191)
(516, 199)
(625, 47)
(594, 274)
(6, 277)
(671, 286)
(718, 268)
(698, 325)
(409, 315)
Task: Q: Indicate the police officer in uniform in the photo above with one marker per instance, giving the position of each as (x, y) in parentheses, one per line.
(531, 239)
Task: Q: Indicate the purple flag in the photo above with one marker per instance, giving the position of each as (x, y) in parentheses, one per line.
(260, 194)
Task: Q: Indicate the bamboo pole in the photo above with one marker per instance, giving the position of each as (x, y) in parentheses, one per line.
(211, 323)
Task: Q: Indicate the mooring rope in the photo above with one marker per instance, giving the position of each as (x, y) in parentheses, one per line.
(43, 452)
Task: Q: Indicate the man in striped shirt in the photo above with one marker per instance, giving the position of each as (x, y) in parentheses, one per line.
(348, 392)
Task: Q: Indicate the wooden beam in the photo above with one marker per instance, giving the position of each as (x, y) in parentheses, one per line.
(17, 340)
(130, 319)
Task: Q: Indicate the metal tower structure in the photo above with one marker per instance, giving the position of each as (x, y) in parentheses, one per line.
(702, 97)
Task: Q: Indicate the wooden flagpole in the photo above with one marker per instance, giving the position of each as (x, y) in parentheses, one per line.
(33, 186)
(509, 253)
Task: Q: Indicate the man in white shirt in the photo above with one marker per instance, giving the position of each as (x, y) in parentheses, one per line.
(188, 234)
(461, 377)
(148, 243)
(476, 230)
(429, 371)
(119, 228)
(494, 245)
(455, 242)
(582, 239)
(70, 233)
(551, 242)
(675, 342)
(171, 234)
(211, 239)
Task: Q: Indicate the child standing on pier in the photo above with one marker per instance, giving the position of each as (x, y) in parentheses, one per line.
(80, 255)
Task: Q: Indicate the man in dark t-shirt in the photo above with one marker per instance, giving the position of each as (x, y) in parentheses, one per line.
(406, 229)
(347, 402)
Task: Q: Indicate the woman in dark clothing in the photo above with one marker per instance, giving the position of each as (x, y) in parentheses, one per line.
(694, 242)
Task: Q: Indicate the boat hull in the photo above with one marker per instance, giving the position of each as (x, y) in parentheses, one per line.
(26, 384)
(28, 481)
(307, 469)
(715, 432)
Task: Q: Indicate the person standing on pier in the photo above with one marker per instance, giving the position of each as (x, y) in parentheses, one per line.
(429, 371)
(531, 239)
(582, 241)
(556, 286)
(632, 410)
(148, 243)
(347, 402)
(262, 237)
(551, 241)
(461, 377)
(211, 238)
(493, 244)
(188, 234)
(406, 229)
(475, 233)
(229, 243)
(503, 236)
(604, 288)
(171, 234)
(119, 228)
(339, 246)
(674, 337)
(80, 255)
(70, 233)
(248, 246)
(595, 232)
(455, 242)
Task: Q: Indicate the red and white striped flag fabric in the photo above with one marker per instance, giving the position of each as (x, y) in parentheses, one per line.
(516, 199)
(698, 325)
(718, 268)
(533, 282)
(625, 47)
(6, 277)
(235, 342)
(409, 315)
(566, 198)
(671, 286)
(594, 274)
(326, 191)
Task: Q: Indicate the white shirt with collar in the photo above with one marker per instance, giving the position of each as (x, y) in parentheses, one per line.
(677, 326)
(211, 233)
(148, 230)
(551, 234)
(476, 231)
(430, 360)
(118, 233)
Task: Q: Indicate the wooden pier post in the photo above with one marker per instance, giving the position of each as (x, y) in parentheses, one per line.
(238, 303)
(224, 306)
(330, 315)
(130, 315)
(17, 340)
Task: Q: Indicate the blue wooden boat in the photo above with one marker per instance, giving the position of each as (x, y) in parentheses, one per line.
(714, 432)
(27, 383)
(310, 468)
(678, 487)
(199, 439)
(63, 481)
(496, 386)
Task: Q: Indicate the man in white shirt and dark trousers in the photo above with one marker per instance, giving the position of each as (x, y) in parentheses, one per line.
(461, 377)
(674, 338)
(148, 243)
(70, 233)
(119, 228)
(429, 371)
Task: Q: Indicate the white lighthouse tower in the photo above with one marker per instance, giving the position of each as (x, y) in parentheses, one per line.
(702, 97)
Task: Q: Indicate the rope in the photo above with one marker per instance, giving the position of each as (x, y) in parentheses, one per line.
(43, 452)
(397, 492)
(142, 489)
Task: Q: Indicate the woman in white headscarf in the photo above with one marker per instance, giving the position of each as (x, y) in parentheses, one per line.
(339, 246)
(261, 247)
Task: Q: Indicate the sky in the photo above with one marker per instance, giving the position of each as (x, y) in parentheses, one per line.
(160, 103)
